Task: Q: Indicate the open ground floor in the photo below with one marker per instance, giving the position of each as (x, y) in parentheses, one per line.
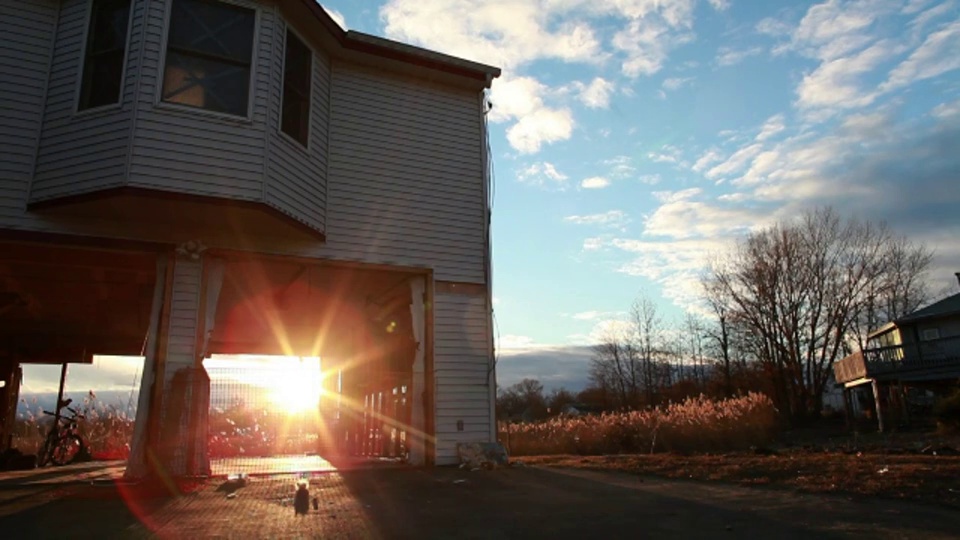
(248, 356)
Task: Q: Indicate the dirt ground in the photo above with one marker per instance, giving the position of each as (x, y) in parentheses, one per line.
(924, 478)
(514, 502)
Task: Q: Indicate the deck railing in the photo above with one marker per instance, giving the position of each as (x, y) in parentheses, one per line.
(911, 358)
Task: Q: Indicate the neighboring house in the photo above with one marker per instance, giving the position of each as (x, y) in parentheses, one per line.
(183, 178)
(921, 349)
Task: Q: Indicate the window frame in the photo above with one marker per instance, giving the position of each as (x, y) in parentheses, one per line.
(283, 70)
(160, 103)
(927, 332)
(82, 65)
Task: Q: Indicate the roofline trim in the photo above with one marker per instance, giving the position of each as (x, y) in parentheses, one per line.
(402, 52)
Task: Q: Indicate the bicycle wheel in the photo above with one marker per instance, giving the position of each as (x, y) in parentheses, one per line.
(66, 450)
(43, 456)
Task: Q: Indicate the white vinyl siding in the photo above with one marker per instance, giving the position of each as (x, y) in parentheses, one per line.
(191, 151)
(393, 174)
(296, 177)
(405, 183)
(181, 344)
(461, 364)
(27, 29)
(85, 152)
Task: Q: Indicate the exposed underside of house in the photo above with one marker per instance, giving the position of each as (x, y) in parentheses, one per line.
(66, 304)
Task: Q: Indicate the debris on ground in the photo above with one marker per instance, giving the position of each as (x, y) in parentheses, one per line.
(476, 456)
(233, 483)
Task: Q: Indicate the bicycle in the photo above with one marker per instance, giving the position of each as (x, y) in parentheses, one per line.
(63, 444)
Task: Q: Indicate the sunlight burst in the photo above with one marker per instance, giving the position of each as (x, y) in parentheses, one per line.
(298, 387)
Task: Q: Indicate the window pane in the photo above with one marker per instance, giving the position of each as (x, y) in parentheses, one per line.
(209, 52)
(103, 62)
(295, 114)
(206, 83)
(212, 28)
(108, 25)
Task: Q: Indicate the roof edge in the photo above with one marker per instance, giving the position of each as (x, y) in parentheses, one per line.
(402, 52)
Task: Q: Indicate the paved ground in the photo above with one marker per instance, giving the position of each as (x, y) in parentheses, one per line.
(450, 503)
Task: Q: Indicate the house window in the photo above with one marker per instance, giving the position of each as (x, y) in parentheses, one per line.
(930, 334)
(295, 113)
(103, 61)
(209, 50)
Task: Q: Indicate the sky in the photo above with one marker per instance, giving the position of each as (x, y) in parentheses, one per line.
(632, 139)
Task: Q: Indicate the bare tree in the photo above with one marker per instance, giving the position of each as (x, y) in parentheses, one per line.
(629, 363)
(799, 289)
(901, 288)
(648, 330)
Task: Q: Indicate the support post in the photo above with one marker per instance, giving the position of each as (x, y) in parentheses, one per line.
(146, 404)
(847, 409)
(9, 397)
(877, 399)
(417, 436)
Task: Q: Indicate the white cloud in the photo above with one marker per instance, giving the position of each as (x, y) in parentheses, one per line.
(922, 20)
(542, 174)
(522, 99)
(645, 46)
(540, 127)
(594, 315)
(336, 16)
(719, 5)
(593, 244)
(835, 83)
(708, 158)
(945, 110)
(773, 27)
(673, 83)
(650, 179)
(611, 218)
(914, 6)
(727, 56)
(596, 95)
(762, 165)
(673, 196)
(683, 218)
(507, 33)
(513, 33)
(735, 162)
(771, 127)
(511, 341)
(514, 97)
(595, 182)
(667, 154)
(620, 166)
(938, 54)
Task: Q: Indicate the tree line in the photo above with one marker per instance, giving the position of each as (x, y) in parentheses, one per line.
(778, 309)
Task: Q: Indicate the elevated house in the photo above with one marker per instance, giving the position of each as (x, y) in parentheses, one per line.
(921, 350)
(186, 178)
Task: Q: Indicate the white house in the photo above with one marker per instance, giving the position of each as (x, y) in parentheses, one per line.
(182, 178)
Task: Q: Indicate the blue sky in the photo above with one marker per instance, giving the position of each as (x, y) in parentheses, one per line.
(633, 138)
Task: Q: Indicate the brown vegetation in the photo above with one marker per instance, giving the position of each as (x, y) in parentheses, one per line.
(694, 425)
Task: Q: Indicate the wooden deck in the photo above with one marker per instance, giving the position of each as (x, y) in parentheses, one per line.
(927, 360)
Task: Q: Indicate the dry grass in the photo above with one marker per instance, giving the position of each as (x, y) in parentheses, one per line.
(106, 428)
(695, 425)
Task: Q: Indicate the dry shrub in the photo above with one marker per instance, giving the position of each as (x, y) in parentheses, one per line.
(697, 424)
(107, 428)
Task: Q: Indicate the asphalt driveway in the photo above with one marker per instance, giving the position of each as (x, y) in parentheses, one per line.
(451, 503)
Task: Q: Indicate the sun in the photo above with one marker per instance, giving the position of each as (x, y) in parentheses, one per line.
(297, 387)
